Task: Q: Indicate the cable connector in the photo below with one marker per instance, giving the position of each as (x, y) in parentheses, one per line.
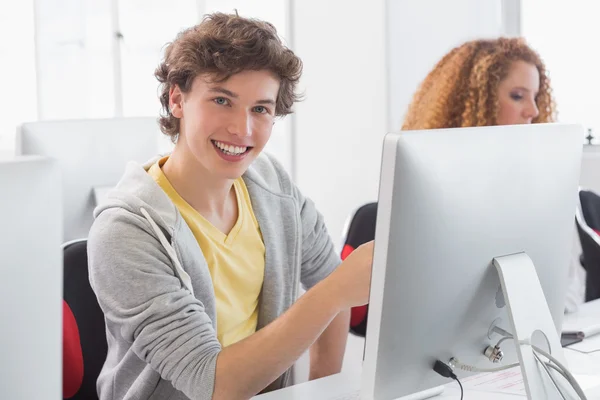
(444, 370)
(494, 353)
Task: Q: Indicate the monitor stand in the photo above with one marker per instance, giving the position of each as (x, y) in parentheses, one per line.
(528, 312)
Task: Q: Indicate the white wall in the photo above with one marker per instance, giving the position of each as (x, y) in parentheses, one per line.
(340, 125)
(419, 37)
(363, 63)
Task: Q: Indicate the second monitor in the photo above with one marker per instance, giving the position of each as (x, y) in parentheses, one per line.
(92, 155)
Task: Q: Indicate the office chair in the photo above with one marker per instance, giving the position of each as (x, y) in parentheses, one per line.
(360, 229)
(84, 336)
(587, 218)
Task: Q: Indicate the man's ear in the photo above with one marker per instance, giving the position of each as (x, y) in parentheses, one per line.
(176, 101)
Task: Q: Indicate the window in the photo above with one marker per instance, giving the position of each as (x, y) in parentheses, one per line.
(74, 51)
(567, 37)
(18, 102)
(146, 27)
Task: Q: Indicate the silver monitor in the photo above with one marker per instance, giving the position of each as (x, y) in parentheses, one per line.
(451, 201)
(590, 168)
(30, 279)
(92, 155)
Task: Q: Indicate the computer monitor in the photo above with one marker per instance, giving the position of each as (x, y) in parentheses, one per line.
(590, 168)
(92, 155)
(30, 278)
(450, 202)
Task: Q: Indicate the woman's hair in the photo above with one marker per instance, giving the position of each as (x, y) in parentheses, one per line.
(223, 45)
(462, 89)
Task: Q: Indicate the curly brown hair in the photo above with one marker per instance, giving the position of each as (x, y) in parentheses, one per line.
(223, 45)
(462, 89)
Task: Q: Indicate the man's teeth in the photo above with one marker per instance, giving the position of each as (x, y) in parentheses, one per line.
(229, 149)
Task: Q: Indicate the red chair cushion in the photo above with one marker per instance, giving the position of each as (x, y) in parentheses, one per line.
(72, 354)
(346, 251)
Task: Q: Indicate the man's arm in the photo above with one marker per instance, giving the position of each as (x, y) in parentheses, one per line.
(245, 368)
(327, 353)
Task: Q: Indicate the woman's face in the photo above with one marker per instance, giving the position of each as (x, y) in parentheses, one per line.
(517, 94)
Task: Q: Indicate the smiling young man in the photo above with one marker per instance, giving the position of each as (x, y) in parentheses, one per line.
(196, 258)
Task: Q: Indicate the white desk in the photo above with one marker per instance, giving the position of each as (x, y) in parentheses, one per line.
(585, 367)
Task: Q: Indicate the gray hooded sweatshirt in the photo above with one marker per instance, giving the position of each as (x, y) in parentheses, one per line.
(154, 287)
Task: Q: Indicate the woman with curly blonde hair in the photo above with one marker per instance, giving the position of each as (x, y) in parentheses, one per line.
(481, 83)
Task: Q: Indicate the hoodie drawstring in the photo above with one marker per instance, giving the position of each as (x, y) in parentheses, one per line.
(180, 272)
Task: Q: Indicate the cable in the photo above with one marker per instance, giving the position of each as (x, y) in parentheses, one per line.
(559, 366)
(462, 392)
(446, 371)
(575, 386)
(570, 378)
(455, 363)
(503, 339)
(556, 386)
(554, 367)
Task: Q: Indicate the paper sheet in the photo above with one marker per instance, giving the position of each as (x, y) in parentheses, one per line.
(509, 382)
(590, 346)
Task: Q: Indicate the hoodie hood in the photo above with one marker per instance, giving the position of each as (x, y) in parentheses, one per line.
(139, 194)
(136, 191)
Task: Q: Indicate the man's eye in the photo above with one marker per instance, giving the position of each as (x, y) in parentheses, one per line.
(221, 101)
(260, 109)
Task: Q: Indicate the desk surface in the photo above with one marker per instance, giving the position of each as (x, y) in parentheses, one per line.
(585, 367)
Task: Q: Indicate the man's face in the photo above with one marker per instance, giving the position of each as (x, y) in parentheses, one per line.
(225, 125)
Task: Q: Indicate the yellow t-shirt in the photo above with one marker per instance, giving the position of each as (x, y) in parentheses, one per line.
(236, 261)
